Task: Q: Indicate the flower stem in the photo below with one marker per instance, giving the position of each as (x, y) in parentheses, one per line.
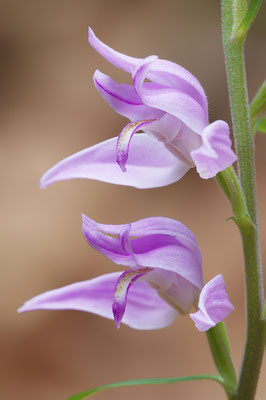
(235, 66)
(220, 349)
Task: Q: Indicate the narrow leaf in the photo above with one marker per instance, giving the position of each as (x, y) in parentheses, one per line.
(260, 125)
(154, 381)
(253, 8)
(258, 104)
(264, 321)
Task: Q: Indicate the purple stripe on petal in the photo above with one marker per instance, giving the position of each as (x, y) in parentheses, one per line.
(124, 282)
(214, 305)
(124, 99)
(124, 139)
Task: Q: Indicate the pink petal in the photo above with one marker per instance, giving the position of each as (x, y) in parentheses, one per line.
(162, 71)
(168, 73)
(214, 305)
(169, 99)
(145, 309)
(124, 99)
(155, 242)
(149, 165)
(215, 153)
(119, 60)
(173, 288)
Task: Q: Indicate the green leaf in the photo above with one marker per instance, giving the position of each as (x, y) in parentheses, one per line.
(258, 104)
(264, 321)
(154, 381)
(242, 30)
(260, 125)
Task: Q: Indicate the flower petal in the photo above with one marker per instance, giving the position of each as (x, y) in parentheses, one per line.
(214, 305)
(149, 165)
(155, 242)
(215, 153)
(123, 284)
(168, 73)
(145, 309)
(124, 99)
(119, 60)
(169, 99)
(174, 289)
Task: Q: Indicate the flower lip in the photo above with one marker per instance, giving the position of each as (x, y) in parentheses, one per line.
(124, 139)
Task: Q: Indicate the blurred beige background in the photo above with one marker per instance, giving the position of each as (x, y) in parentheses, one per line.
(50, 109)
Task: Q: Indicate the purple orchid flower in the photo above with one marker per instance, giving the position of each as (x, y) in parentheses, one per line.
(172, 111)
(163, 279)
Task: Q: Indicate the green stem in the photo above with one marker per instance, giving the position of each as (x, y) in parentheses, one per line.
(220, 349)
(233, 49)
(230, 185)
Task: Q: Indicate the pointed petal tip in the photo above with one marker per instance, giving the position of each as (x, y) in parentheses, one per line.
(45, 180)
(43, 184)
(20, 309)
(91, 34)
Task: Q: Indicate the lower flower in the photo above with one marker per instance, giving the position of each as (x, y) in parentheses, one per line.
(164, 278)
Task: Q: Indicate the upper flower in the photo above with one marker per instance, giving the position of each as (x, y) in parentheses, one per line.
(163, 279)
(169, 105)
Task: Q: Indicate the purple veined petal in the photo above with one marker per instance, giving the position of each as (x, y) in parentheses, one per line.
(147, 227)
(112, 247)
(215, 154)
(124, 139)
(124, 99)
(118, 249)
(214, 305)
(169, 99)
(149, 165)
(145, 309)
(124, 238)
(119, 60)
(162, 71)
(152, 250)
(165, 252)
(168, 73)
(123, 284)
